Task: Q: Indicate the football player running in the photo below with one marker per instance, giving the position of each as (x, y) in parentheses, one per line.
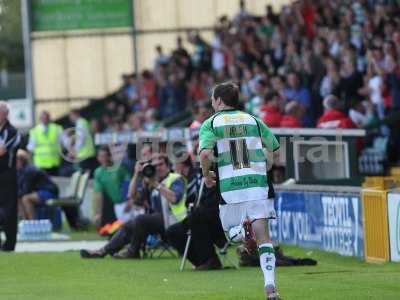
(241, 147)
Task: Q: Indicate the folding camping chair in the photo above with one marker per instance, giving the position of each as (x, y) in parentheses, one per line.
(156, 242)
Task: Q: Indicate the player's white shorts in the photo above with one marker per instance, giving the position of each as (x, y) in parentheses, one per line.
(234, 214)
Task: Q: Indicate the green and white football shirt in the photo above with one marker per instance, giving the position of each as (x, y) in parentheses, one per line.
(239, 140)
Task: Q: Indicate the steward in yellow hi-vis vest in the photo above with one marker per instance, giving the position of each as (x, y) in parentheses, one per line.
(178, 209)
(44, 144)
(86, 148)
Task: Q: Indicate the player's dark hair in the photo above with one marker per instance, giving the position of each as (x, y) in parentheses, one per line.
(228, 92)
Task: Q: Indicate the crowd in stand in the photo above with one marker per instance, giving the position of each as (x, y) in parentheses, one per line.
(320, 64)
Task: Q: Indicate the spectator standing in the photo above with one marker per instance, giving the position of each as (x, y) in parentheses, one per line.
(130, 90)
(9, 143)
(44, 144)
(148, 90)
(161, 58)
(218, 55)
(83, 149)
(172, 96)
(201, 57)
(349, 84)
(295, 92)
(180, 51)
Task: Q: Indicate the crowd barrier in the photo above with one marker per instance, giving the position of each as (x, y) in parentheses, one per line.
(376, 225)
(179, 134)
(394, 225)
(381, 217)
(322, 217)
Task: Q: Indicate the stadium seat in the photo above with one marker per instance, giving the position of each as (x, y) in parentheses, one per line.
(77, 188)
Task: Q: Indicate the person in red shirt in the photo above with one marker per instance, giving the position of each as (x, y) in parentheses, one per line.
(333, 117)
(148, 90)
(269, 111)
(293, 115)
(309, 15)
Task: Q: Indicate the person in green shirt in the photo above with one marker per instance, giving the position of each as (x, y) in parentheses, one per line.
(107, 186)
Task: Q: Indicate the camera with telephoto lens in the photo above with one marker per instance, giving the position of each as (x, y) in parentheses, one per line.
(148, 170)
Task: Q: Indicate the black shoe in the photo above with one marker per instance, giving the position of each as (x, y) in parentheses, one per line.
(93, 254)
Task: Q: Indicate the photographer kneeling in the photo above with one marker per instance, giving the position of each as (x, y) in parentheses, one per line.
(203, 222)
(159, 182)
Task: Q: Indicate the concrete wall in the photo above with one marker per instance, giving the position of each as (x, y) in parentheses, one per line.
(79, 64)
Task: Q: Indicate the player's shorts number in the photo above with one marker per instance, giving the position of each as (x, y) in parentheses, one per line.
(239, 154)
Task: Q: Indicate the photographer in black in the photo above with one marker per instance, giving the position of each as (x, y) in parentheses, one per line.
(203, 222)
(159, 182)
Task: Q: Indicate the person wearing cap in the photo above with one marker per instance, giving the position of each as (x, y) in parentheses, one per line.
(9, 143)
(44, 144)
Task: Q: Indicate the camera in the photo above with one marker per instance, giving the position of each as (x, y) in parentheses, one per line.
(148, 170)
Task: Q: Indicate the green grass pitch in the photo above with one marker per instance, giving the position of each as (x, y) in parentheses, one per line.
(65, 276)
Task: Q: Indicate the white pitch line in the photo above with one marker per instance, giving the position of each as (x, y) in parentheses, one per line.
(58, 246)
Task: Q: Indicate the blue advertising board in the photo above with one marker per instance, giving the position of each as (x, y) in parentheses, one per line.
(327, 221)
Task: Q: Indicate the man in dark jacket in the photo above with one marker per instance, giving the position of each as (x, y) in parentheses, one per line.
(34, 186)
(202, 221)
(9, 142)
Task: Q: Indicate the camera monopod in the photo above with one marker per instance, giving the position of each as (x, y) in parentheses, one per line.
(189, 233)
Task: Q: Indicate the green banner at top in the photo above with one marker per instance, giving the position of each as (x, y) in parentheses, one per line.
(58, 15)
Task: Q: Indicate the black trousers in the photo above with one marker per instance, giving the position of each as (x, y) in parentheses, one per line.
(206, 230)
(107, 211)
(135, 233)
(73, 217)
(90, 164)
(8, 209)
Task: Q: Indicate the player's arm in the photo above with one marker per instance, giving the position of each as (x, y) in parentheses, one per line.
(270, 143)
(206, 148)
